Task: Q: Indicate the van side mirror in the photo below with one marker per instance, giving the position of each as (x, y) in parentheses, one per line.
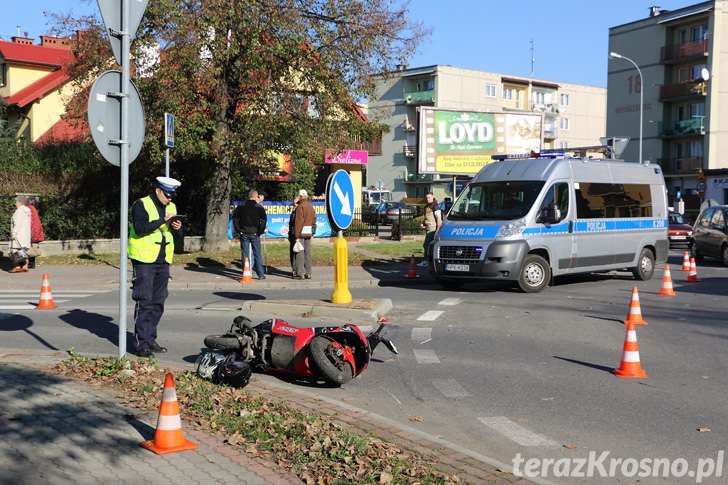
(550, 214)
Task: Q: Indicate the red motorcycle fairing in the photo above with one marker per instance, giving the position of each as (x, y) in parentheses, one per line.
(290, 349)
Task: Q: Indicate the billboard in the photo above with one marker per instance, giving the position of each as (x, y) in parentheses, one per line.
(276, 167)
(462, 142)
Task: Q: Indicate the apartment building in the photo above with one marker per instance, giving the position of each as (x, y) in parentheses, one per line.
(574, 115)
(680, 55)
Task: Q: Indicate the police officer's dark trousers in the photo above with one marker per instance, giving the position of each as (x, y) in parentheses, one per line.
(149, 291)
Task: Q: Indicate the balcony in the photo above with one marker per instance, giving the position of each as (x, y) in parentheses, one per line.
(671, 54)
(550, 132)
(545, 108)
(420, 97)
(673, 92)
(410, 151)
(420, 177)
(675, 166)
(680, 128)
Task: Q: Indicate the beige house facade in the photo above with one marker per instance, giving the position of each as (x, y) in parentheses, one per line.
(681, 54)
(573, 115)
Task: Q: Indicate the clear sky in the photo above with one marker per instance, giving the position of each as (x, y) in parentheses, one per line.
(570, 37)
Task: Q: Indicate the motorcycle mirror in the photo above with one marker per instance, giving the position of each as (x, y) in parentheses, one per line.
(390, 345)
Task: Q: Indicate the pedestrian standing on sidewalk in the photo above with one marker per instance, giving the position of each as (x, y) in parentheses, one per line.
(432, 222)
(304, 228)
(37, 235)
(151, 249)
(292, 236)
(20, 231)
(249, 222)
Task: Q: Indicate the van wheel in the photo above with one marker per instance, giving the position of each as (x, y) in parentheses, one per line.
(645, 265)
(535, 274)
(724, 254)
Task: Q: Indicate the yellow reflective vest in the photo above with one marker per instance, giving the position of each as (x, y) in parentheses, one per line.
(145, 249)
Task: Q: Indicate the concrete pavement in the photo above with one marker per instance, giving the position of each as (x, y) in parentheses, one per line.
(57, 430)
(197, 277)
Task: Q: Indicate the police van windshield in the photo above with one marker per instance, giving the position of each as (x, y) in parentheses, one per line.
(496, 200)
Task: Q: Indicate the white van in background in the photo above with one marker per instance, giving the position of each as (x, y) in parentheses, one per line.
(529, 219)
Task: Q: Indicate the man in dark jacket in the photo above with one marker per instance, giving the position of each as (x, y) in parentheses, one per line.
(249, 221)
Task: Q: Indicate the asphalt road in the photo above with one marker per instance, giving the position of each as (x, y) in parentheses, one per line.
(497, 371)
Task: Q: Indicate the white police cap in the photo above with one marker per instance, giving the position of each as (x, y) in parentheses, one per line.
(168, 184)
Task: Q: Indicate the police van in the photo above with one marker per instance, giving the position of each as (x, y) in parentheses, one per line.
(530, 218)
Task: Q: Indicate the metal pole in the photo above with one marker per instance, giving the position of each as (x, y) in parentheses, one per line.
(265, 255)
(166, 165)
(614, 55)
(124, 202)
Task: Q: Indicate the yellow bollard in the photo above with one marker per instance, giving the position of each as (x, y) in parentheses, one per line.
(341, 293)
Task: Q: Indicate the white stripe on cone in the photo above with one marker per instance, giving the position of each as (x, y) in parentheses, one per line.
(631, 356)
(169, 423)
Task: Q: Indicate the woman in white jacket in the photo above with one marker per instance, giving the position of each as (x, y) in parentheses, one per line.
(20, 231)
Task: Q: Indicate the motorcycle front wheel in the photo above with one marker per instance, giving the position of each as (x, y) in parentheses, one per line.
(326, 356)
(222, 342)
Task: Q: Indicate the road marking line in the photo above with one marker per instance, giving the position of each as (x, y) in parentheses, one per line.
(421, 333)
(395, 398)
(17, 307)
(515, 432)
(35, 295)
(450, 301)
(450, 388)
(59, 291)
(430, 316)
(426, 356)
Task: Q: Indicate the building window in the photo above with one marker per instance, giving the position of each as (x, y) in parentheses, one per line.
(508, 93)
(3, 74)
(564, 145)
(700, 32)
(538, 97)
(696, 71)
(565, 101)
(565, 123)
(426, 85)
(490, 90)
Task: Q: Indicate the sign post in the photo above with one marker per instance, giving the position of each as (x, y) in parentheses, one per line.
(168, 138)
(340, 208)
(121, 19)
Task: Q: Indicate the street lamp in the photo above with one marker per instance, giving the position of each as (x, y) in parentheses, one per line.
(614, 55)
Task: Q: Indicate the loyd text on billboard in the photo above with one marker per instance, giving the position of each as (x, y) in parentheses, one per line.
(462, 142)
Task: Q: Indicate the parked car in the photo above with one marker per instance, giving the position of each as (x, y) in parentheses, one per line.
(679, 232)
(710, 234)
(388, 212)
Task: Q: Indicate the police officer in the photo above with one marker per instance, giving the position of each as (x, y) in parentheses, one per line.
(151, 249)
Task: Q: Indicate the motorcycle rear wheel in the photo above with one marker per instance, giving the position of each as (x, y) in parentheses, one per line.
(222, 342)
(331, 367)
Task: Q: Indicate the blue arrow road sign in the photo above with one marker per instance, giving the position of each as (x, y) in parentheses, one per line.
(340, 199)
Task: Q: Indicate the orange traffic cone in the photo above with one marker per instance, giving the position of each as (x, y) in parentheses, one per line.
(635, 312)
(630, 364)
(693, 275)
(168, 437)
(247, 274)
(412, 273)
(686, 261)
(46, 298)
(666, 289)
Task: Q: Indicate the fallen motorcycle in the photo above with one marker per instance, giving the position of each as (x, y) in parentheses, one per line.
(334, 354)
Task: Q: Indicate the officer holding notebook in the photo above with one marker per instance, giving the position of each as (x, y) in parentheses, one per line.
(151, 249)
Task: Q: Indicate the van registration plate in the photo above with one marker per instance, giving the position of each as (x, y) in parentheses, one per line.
(457, 267)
